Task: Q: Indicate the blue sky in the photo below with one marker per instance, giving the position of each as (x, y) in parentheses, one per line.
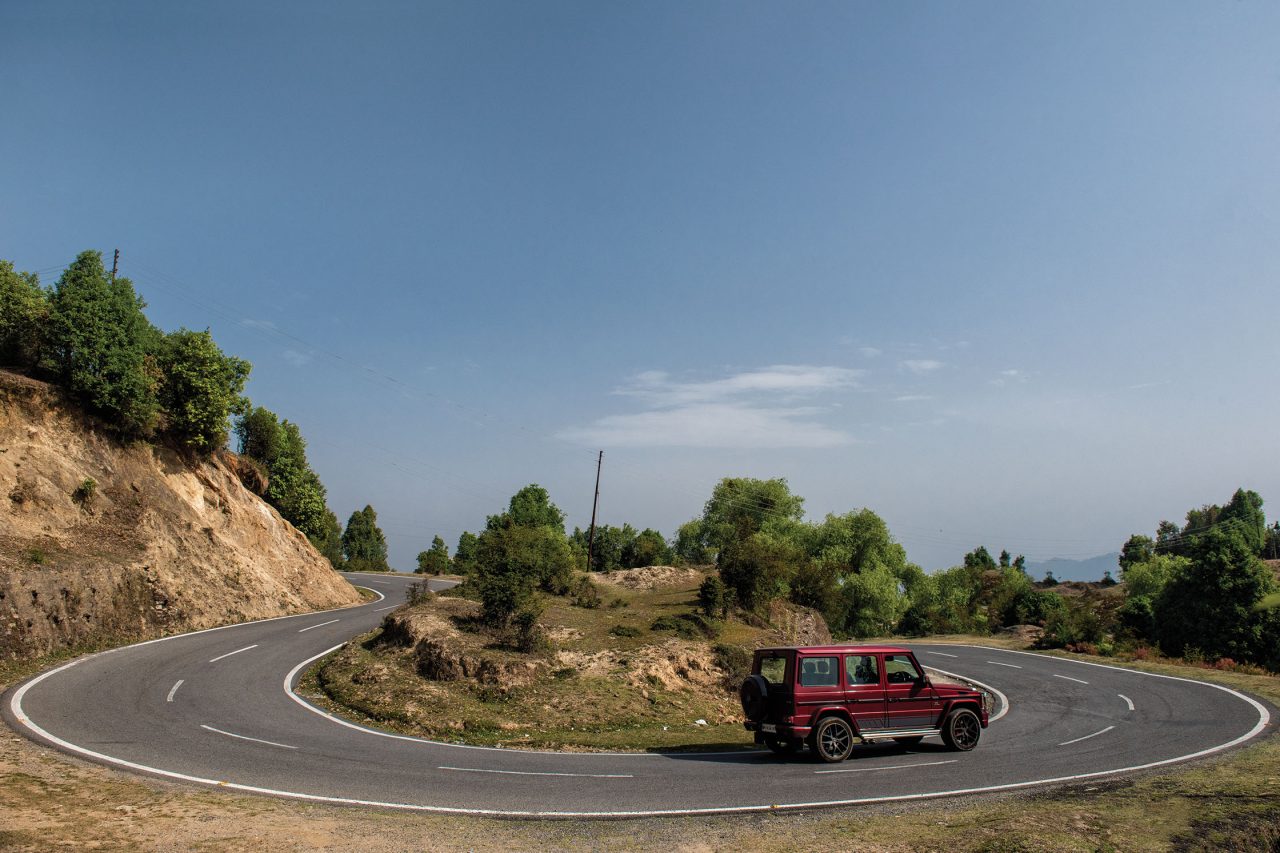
(1004, 273)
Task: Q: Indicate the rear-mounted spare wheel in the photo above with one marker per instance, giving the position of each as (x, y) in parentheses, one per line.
(754, 694)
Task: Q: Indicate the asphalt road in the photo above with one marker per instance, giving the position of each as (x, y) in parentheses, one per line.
(214, 708)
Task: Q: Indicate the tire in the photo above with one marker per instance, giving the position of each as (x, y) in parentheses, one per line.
(833, 739)
(781, 745)
(754, 694)
(909, 741)
(961, 730)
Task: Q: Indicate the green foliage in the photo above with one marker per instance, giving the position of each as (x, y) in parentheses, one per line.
(585, 593)
(979, 558)
(625, 631)
(435, 561)
(260, 436)
(714, 598)
(464, 556)
(24, 317)
(530, 507)
(528, 634)
(741, 506)
(690, 626)
(37, 557)
(646, 548)
(734, 660)
(363, 544)
(691, 544)
(84, 492)
(758, 568)
(328, 539)
(1069, 626)
(622, 547)
(101, 346)
(418, 593)
(1138, 549)
(201, 389)
(513, 562)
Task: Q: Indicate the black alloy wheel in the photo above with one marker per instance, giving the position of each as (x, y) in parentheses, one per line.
(833, 739)
(962, 730)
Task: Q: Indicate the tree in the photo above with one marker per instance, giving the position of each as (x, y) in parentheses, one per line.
(1005, 559)
(691, 544)
(435, 561)
(24, 317)
(100, 344)
(328, 538)
(464, 556)
(513, 562)
(979, 558)
(363, 543)
(1138, 549)
(200, 390)
(757, 569)
(713, 598)
(530, 507)
(258, 431)
(646, 548)
(739, 507)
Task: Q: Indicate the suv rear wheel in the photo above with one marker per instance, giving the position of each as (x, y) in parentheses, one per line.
(833, 739)
(961, 730)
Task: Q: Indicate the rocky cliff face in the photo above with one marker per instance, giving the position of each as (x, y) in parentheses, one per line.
(102, 542)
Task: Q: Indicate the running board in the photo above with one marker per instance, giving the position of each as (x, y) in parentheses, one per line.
(886, 734)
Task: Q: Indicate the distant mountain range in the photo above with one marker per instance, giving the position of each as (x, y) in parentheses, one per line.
(1077, 570)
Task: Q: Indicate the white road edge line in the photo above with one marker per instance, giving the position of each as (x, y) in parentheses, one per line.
(1010, 665)
(1004, 700)
(539, 773)
(173, 690)
(1069, 678)
(246, 737)
(942, 654)
(1127, 700)
(890, 767)
(15, 705)
(321, 625)
(236, 652)
(1086, 737)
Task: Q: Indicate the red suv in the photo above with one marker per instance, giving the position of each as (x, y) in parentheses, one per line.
(833, 697)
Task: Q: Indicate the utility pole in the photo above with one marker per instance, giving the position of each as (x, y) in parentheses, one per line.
(115, 264)
(591, 536)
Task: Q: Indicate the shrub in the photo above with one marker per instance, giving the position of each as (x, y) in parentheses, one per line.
(585, 593)
(713, 598)
(418, 593)
(735, 661)
(624, 631)
(37, 557)
(690, 626)
(618, 602)
(529, 636)
(85, 491)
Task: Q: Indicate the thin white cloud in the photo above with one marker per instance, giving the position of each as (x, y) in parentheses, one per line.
(921, 366)
(871, 352)
(297, 359)
(753, 408)
(911, 398)
(728, 425)
(1010, 375)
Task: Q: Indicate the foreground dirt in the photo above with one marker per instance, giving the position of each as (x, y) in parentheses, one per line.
(103, 543)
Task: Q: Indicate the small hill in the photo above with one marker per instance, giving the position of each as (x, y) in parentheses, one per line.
(1090, 569)
(104, 543)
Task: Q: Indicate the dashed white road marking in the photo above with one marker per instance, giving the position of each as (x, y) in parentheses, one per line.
(890, 767)
(942, 654)
(1069, 678)
(379, 583)
(539, 773)
(246, 737)
(236, 652)
(321, 625)
(1010, 665)
(1127, 700)
(173, 690)
(1086, 737)
(392, 607)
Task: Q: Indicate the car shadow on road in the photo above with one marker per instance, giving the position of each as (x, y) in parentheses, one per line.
(760, 755)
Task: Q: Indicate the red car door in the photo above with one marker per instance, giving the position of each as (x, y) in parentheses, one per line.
(864, 691)
(909, 702)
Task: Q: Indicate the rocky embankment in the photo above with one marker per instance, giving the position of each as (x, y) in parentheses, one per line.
(103, 543)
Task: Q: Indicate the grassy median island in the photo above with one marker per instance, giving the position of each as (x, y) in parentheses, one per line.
(639, 670)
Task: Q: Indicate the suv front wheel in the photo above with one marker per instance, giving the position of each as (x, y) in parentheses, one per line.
(961, 730)
(833, 739)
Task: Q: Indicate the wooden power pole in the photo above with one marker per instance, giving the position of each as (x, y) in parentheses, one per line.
(115, 264)
(591, 535)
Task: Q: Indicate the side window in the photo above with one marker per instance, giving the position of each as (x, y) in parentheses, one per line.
(774, 669)
(900, 670)
(819, 672)
(861, 669)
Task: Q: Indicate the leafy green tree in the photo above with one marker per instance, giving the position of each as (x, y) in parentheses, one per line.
(757, 569)
(713, 598)
(328, 538)
(691, 544)
(979, 558)
(646, 548)
(1138, 549)
(258, 431)
(1005, 559)
(200, 390)
(99, 344)
(739, 507)
(512, 562)
(464, 556)
(24, 317)
(530, 507)
(435, 561)
(1209, 605)
(873, 602)
(363, 543)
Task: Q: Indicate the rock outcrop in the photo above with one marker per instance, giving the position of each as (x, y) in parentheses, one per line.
(103, 542)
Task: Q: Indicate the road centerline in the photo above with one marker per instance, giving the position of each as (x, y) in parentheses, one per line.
(942, 654)
(321, 625)
(538, 773)
(173, 690)
(246, 737)
(1086, 737)
(1069, 678)
(1127, 700)
(890, 767)
(236, 652)
(1010, 665)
